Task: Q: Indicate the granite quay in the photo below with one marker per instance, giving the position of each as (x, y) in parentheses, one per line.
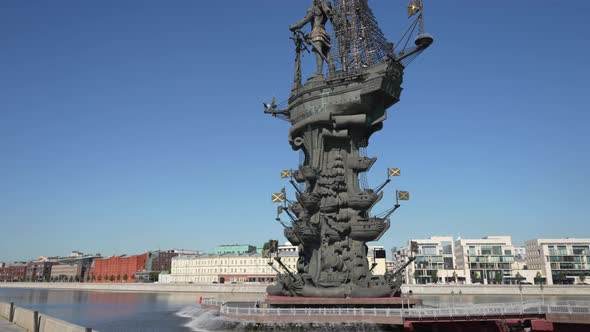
(33, 321)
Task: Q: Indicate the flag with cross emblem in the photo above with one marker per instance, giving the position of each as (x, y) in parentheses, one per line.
(285, 174)
(393, 172)
(413, 7)
(403, 195)
(278, 197)
(274, 245)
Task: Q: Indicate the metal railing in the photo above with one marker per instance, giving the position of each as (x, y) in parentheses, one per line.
(212, 302)
(496, 310)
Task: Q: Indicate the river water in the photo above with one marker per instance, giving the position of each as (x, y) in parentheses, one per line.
(134, 311)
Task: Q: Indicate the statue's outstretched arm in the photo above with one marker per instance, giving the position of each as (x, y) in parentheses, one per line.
(308, 17)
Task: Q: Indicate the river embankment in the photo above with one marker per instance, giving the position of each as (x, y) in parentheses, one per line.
(569, 290)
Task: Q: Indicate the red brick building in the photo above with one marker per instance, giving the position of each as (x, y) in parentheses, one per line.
(15, 272)
(118, 268)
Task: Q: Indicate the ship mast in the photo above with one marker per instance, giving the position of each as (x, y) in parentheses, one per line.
(358, 42)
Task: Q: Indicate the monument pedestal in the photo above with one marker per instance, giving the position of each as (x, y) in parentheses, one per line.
(336, 302)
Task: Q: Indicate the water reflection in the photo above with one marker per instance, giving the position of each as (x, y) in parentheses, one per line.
(107, 311)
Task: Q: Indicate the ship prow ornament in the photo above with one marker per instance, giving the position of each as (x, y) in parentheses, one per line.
(333, 114)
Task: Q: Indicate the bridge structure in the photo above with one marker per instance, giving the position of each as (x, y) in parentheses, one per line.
(502, 317)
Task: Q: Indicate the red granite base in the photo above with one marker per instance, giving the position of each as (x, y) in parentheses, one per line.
(327, 302)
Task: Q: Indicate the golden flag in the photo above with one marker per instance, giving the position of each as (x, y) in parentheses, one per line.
(274, 245)
(393, 172)
(285, 174)
(278, 197)
(403, 195)
(413, 7)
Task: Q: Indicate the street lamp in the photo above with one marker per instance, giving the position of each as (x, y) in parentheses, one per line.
(542, 294)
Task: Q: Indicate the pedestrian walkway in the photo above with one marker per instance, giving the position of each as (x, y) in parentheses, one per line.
(6, 326)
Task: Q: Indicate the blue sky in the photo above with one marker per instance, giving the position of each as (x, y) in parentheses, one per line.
(128, 126)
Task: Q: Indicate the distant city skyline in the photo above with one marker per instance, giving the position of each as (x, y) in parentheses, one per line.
(216, 249)
(122, 124)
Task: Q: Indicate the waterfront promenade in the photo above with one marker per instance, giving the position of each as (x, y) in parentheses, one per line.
(260, 289)
(15, 318)
(6, 326)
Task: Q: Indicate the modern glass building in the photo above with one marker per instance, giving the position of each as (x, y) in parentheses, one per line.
(434, 261)
(561, 261)
(488, 260)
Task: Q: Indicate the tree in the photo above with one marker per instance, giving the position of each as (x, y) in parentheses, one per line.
(106, 277)
(561, 277)
(77, 278)
(154, 276)
(538, 278)
(434, 276)
(498, 278)
(518, 278)
(414, 248)
(582, 278)
(99, 277)
(112, 278)
(125, 277)
(118, 277)
(416, 276)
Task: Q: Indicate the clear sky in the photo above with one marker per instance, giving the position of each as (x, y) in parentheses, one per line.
(128, 126)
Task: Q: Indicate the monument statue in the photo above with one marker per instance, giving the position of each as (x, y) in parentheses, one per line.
(332, 118)
(318, 14)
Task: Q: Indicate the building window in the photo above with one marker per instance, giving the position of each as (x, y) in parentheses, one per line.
(580, 250)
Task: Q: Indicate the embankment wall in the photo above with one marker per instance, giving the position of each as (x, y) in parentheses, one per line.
(569, 290)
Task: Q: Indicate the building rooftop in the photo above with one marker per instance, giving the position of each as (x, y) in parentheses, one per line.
(256, 255)
(562, 240)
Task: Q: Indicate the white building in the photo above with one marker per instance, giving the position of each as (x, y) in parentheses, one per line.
(288, 247)
(561, 261)
(520, 251)
(487, 260)
(376, 256)
(434, 262)
(206, 268)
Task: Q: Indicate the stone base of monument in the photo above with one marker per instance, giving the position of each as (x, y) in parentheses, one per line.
(331, 302)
